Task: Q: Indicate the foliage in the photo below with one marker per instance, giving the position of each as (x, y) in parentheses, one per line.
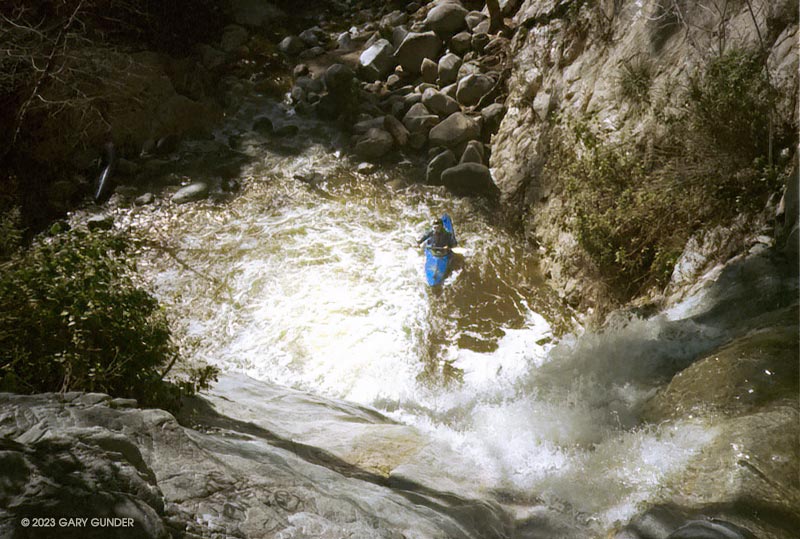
(730, 102)
(635, 79)
(633, 205)
(73, 317)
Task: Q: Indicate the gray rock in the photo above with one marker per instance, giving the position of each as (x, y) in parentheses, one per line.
(312, 36)
(472, 88)
(366, 168)
(398, 131)
(233, 37)
(455, 131)
(492, 118)
(291, 45)
(450, 90)
(310, 84)
(195, 191)
(297, 94)
(439, 103)
(468, 179)
(441, 162)
(392, 20)
(447, 70)
(468, 68)
(345, 41)
(461, 43)
(419, 119)
(361, 127)
(474, 18)
(377, 61)
(144, 199)
(313, 52)
(482, 27)
(374, 144)
(416, 47)
(338, 79)
(474, 153)
(543, 105)
(479, 41)
(429, 71)
(410, 100)
(399, 33)
(100, 222)
(300, 70)
(446, 19)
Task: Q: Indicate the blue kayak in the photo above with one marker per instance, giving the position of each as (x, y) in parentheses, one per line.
(438, 260)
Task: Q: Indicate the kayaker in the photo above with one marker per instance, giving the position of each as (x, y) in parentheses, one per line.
(437, 237)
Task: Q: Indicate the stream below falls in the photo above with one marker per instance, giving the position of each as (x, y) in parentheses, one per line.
(310, 278)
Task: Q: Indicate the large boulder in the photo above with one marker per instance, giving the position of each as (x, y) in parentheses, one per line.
(446, 19)
(437, 165)
(447, 70)
(416, 47)
(439, 103)
(377, 61)
(472, 88)
(374, 144)
(455, 131)
(468, 179)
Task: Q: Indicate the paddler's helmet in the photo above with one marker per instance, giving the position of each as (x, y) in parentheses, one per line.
(437, 223)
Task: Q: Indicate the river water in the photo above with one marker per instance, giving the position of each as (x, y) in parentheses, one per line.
(317, 284)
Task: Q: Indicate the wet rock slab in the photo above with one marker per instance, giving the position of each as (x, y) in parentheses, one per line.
(281, 463)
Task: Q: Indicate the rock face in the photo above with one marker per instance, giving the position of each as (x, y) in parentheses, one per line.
(560, 71)
(249, 472)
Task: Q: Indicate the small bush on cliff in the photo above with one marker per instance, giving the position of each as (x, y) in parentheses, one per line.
(634, 204)
(73, 317)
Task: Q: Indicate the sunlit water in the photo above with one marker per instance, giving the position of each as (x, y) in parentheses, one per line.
(319, 286)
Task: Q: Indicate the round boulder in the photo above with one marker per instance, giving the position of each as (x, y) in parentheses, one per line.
(375, 144)
(437, 165)
(472, 88)
(455, 131)
(439, 103)
(446, 19)
(447, 70)
(291, 45)
(469, 178)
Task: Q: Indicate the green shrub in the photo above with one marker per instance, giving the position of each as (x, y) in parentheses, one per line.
(632, 205)
(730, 104)
(635, 77)
(73, 317)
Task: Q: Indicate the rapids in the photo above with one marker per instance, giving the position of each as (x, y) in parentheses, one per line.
(310, 278)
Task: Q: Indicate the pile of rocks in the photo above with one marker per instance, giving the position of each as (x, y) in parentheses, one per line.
(425, 80)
